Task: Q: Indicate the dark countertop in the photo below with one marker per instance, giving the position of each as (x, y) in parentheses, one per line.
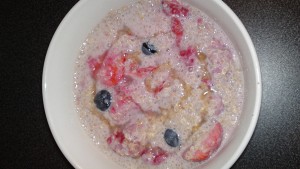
(27, 29)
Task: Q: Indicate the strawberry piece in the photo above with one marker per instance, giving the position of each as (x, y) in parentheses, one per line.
(172, 7)
(112, 71)
(199, 21)
(176, 26)
(145, 70)
(96, 63)
(154, 155)
(123, 58)
(116, 137)
(215, 137)
(113, 75)
(120, 137)
(199, 156)
(177, 29)
(159, 88)
(186, 55)
(94, 66)
(209, 145)
(133, 66)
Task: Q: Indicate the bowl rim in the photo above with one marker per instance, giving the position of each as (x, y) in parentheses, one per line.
(51, 124)
(258, 94)
(257, 72)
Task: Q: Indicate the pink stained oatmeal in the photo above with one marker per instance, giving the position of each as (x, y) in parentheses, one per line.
(159, 84)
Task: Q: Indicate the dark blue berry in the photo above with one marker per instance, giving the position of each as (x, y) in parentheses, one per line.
(148, 49)
(102, 100)
(171, 138)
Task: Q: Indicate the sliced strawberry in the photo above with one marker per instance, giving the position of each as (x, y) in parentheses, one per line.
(96, 63)
(176, 26)
(118, 136)
(112, 70)
(215, 137)
(199, 156)
(204, 150)
(159, 88)
(113, 75)
(177, 29)
(94, 66)
(145, 70)
(154, 155)
(172, 7)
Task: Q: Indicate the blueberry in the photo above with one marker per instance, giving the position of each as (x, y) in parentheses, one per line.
(171, 138)
(148, 49)
(102, 100)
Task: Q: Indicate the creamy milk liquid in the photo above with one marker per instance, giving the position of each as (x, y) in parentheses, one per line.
(198, 71)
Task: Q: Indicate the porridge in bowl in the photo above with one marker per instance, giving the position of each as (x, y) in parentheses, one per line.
(159, 83)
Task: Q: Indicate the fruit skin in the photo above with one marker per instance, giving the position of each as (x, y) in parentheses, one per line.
(171, 138)
(200, 152)
(102, 100)
(148, 49)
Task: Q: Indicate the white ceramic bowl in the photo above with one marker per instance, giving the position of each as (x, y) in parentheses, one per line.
(58, 83)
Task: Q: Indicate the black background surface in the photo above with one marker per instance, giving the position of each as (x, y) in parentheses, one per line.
(26, 31)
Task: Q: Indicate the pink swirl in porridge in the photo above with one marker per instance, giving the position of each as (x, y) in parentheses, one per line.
(158, 83)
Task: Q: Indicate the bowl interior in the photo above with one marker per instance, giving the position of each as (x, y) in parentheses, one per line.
(58, 82)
